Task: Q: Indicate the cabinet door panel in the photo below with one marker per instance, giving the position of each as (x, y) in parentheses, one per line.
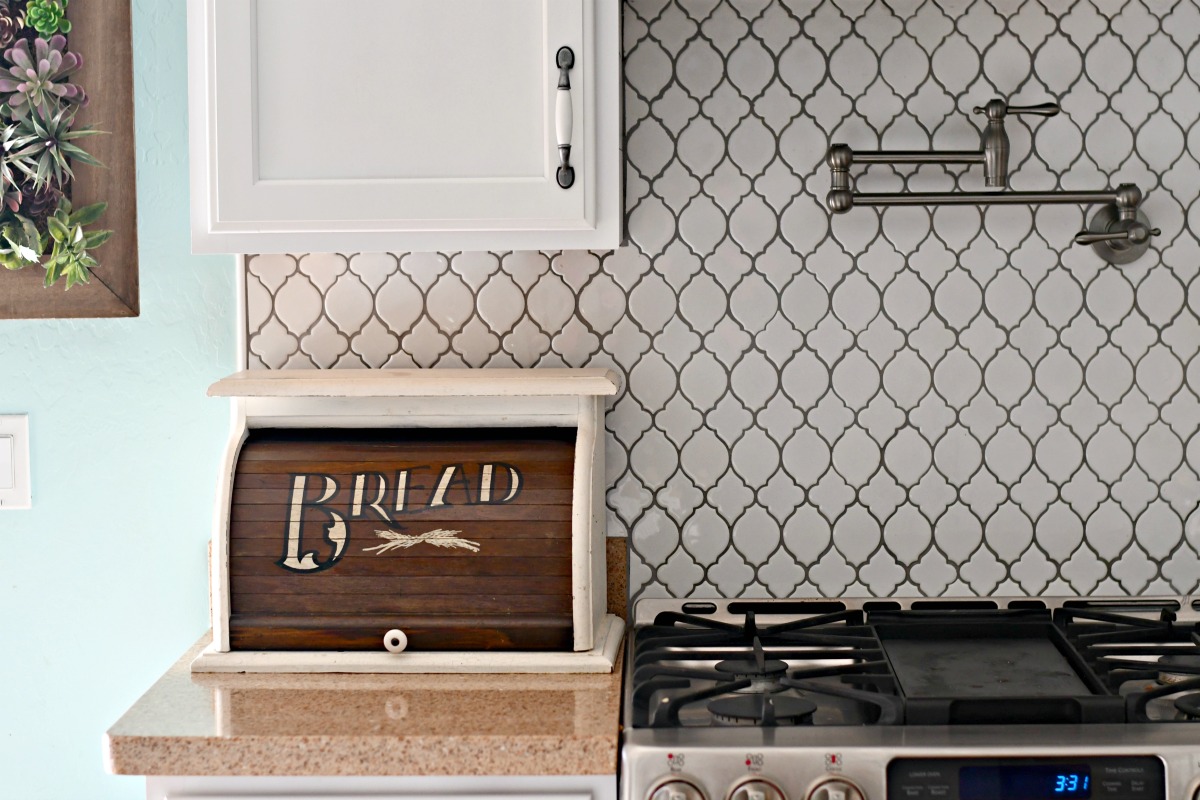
(396, 90)
(379, 116)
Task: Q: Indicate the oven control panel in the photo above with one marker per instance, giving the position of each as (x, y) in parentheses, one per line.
(1086, 778)
(886, 772)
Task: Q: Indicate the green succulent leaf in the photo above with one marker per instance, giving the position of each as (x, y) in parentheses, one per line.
(81, 155)
(33, 239)
(93, 239)
(58, 231)
(79, 133)
(11, 259)
(77, 273)
(88, 214)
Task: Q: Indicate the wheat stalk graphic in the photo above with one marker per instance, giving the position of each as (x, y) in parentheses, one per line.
(437, 538)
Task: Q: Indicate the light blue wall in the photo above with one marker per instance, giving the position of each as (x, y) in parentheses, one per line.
(103, 583)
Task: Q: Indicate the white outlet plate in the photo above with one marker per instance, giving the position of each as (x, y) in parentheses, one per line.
(14, 462)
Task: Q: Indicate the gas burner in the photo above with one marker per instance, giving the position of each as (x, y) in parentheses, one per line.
(1171, 672)
(762, 709)
(745, 668)
(764, 674)
(1188, 705)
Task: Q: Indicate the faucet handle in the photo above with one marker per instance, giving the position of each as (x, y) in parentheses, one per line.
(1115, 238)
(998, 109)
(1137, 234)
(1041, 109)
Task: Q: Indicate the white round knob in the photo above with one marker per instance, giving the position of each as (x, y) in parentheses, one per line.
(395, 641)
(756, 790)
(677, 790)
(836, 789)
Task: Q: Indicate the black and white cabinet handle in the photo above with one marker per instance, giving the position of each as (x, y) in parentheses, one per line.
(563, 118)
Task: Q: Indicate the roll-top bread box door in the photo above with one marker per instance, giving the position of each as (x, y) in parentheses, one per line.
(413, 521)
(460, 538)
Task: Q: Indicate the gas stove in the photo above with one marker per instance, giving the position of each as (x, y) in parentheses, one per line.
(913, 699)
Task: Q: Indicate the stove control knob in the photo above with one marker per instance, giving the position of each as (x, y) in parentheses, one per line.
(677, 790)
(757, 790)
(836, 789)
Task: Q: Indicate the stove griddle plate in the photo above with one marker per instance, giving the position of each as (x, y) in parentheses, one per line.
(962, 672)
(979, 667)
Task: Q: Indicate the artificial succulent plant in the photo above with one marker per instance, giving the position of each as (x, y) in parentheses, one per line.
(43, 148)
(12, 21)
(38, 143)
(37, 79)
(69, 242)
(48, 17)
(37, 203)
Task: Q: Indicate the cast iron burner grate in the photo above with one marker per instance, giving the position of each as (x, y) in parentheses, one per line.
(773, 675)
(1124, 649)
(1080, 663)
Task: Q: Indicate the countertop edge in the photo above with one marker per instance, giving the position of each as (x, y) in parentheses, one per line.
(356, 756)
(141, 743)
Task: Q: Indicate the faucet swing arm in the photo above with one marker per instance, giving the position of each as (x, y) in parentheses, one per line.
(1119, 232)
(992, 153)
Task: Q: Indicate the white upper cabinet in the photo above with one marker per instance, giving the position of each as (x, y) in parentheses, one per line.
(370, 125)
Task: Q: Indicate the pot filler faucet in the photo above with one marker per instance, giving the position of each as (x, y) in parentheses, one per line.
(1119, 232)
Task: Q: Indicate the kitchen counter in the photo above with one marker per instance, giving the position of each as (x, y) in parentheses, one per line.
(339, 724)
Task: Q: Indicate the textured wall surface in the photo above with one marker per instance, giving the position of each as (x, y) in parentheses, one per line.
(103, 583)
(913, 401)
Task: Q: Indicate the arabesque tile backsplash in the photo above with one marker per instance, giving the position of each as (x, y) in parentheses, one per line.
(910, 401)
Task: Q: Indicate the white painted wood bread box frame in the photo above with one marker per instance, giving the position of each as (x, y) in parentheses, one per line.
(437, 398)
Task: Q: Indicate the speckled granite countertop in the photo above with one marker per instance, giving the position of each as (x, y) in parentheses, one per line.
(257, 724)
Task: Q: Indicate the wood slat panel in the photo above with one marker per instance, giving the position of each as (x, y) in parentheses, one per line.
(442, 585)
(523, 548)
(507, 585)
(544, 480)
(546, 566)
(433, 518)
(466, 632)
(426, 604)
(417, 453)
(246, 480)
(418, 445)
(276, 529)
(416, 495)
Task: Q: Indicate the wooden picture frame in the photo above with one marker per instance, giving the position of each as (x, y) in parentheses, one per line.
(101, 33)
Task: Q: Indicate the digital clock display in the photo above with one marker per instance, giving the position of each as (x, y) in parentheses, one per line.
(1075, 777)
(1025, 782)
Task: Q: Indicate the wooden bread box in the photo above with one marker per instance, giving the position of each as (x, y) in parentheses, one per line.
(412, 521)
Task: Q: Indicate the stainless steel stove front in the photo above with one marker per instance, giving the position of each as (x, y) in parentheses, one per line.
(838, 763)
